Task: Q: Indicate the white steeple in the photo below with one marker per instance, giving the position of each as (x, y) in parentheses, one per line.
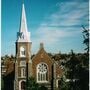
(23, 35)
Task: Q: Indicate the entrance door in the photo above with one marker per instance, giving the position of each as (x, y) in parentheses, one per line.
(23, 85)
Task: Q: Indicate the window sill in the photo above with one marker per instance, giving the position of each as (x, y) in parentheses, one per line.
(42, 82)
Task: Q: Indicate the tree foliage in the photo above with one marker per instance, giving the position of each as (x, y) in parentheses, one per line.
(2, 83)
(77, 68)
(32, 85)
(86, 38)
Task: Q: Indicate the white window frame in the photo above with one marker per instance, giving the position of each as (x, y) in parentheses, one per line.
(22, 52)
(20, 83)
(23, 72)
(42, 74)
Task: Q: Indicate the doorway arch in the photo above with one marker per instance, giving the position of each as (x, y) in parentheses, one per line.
(22, 85)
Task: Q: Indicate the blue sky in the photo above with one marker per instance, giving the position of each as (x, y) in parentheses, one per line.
(56, 23)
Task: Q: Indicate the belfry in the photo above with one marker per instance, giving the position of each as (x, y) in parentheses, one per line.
(23, 54)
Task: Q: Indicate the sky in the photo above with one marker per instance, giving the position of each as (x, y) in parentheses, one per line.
(56, 23)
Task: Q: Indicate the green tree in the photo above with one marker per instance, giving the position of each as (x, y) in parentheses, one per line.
(72, 70)
(68, 82)
(83, 75)
(56, 57)
(86, 38)
(86, 42)
(77, 68)
(32, 85)
(64, 85)
(2, 83)
(83, 70)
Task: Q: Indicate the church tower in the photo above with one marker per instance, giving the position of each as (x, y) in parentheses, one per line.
(23, 54)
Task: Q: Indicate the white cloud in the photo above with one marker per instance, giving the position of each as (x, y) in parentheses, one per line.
(51, 35)
(69, 14)
(62, 23)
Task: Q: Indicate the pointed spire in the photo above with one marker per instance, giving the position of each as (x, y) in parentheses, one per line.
(23, 34)
(23, 26)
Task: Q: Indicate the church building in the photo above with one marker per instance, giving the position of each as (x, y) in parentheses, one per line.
(42, 67)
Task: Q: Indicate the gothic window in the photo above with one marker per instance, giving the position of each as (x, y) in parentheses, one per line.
(22, 51)
(23, 85)
(58, 83)
(23, 72)
(42, 72)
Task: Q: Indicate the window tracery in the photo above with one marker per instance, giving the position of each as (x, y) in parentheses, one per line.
(42, 72)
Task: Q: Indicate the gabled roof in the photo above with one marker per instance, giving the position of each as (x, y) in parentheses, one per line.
(41, 52)
(39, 56)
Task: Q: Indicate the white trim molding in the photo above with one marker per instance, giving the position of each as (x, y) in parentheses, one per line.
(20, 83)
(42, 73)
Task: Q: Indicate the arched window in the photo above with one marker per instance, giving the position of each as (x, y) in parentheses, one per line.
(22, 52)
(23, 85)
(42, 72)
(58, 81)
(23, 72)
